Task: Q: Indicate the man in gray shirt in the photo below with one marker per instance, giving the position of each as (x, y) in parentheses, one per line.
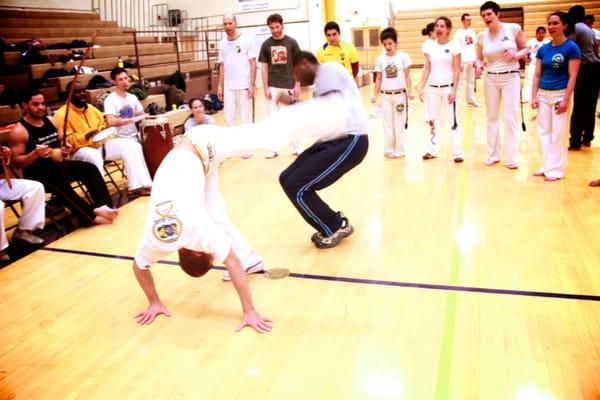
(275, 57)
(583, 118)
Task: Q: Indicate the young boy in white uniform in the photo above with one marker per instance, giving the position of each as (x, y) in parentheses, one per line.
(393, 81)
(532, 47)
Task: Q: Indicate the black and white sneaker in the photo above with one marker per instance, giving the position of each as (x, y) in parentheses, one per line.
(325, 242)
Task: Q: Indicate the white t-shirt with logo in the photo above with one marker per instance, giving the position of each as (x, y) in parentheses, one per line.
(392, 70)
(127, 106)
(533, 45)
(441, 57)
(494, 46)
(235, 56)
(466, 39)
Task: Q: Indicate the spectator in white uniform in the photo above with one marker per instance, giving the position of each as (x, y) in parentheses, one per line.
(393, 81)
(237, 73)
(467, 40)
(438, 85)
(532, 47)
(502, 45)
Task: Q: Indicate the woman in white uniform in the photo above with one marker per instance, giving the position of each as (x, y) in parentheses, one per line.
(502, 45)
(439, 82)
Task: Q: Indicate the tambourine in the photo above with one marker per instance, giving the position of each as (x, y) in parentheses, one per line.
(104, 136)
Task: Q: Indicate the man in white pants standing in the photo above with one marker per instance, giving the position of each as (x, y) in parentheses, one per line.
(467, 39)
(237, 73)
(32, 196)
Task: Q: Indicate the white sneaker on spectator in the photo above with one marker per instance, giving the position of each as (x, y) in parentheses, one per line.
(271, 154)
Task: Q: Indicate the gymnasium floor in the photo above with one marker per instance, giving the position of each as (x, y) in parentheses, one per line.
(461, 281)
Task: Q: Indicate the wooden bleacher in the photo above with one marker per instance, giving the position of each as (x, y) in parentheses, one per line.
(409, 23)
(157, 56)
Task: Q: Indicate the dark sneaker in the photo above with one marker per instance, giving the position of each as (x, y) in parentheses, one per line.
(27, 236)
(323, 242)
(428, 156)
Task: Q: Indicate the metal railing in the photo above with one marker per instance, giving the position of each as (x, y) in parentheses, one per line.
(202, 45)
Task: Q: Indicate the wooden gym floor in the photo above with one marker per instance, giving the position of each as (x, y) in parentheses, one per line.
(460, 282)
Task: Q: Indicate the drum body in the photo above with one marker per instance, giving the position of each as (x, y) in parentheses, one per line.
(157, 141)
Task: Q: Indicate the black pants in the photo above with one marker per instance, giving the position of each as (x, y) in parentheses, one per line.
(316, 168)
(585, 98)
(57, 180)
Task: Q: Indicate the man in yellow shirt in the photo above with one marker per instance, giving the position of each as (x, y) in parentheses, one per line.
(83, 118)
(337, 50)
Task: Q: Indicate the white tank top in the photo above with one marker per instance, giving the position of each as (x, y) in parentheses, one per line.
(494, 46)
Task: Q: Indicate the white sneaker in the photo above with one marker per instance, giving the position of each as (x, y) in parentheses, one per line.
(271, 154)
(246, 156)
(259, 267)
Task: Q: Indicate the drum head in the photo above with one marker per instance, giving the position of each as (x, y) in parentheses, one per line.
(104, 135)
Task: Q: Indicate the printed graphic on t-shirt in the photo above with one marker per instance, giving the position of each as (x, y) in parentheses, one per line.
(166, 227)
(48, 139)
(126, 112)
(238, 49)
(391, 71)
(279, 55)
(557, 60)
(468, 40)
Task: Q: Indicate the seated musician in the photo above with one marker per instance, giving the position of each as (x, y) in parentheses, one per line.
(38, 150)
(122, 111)
(84, 123)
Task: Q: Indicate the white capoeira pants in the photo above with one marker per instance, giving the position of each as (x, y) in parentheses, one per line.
(502, 92)
(127, 149)
(552, 130)
(395, 112)
(529, 81)
(437, 100)
(31, 193)
(234, 101)
(274, 106)
(467, 75)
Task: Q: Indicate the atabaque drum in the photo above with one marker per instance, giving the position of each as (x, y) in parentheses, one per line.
(157, 141)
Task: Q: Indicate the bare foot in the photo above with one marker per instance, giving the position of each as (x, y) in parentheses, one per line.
(102, 221)
(595, 183)
(106, 212)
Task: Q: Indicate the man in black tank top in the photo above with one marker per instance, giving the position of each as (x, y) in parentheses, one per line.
(37, 151)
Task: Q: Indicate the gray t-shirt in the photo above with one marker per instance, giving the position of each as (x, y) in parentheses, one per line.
(333, 77)
(279, 54)
(586, 40)
(191, 122)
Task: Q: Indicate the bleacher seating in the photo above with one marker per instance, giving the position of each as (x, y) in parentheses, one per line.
(156, 53)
